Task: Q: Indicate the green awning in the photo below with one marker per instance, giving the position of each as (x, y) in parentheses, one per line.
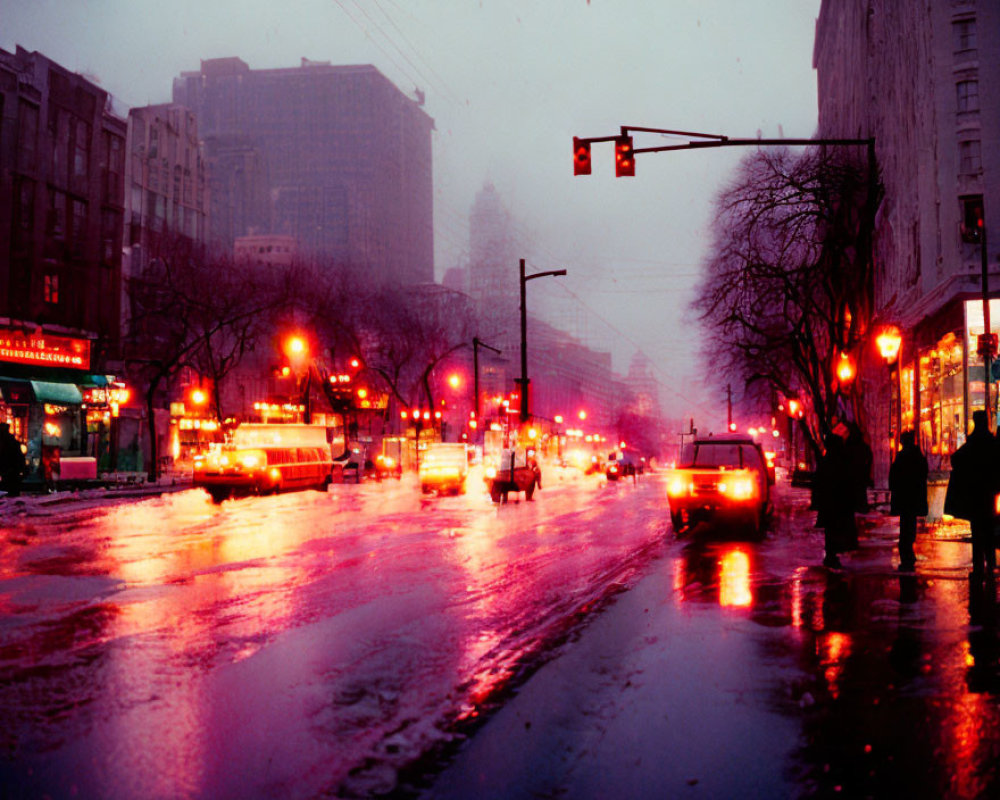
(58, 393)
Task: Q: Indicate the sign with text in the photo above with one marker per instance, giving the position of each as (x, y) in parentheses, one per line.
(43, 349)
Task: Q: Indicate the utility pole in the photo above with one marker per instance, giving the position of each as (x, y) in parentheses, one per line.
(729, 406)
(523, 380)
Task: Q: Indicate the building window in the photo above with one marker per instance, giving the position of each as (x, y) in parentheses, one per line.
(27, 136)
(51, 289)
(965, 34)
(78, 234)
(970, 160)
(967, 93)
(81, 151)
(972, 218)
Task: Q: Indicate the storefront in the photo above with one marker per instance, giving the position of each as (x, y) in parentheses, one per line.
(43, 378)
(940, 381)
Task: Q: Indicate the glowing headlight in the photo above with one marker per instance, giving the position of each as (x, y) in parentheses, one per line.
(250, 461)
(742, 489)
(491, 472)
(389, 462)
(677, 487)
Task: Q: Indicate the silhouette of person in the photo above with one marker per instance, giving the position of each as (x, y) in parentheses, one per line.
(834, 499)
(908, 494)
(11, 461)
(972, 490)
(862, 460)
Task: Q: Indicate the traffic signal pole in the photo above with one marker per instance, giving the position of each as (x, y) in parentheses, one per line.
(523, 380)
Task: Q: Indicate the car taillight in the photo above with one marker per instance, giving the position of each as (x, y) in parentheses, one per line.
(679, 487)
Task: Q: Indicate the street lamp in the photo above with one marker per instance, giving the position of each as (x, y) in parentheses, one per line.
(888, 342)
(523, 380)
(476, 344)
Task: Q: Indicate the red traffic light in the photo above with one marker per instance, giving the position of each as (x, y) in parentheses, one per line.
(624, 157)
(581, 156)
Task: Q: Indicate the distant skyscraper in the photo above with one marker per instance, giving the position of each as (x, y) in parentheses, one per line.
(643, 385)
(344, 155)
(493, 273)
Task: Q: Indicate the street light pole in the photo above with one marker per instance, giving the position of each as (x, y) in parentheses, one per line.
(523, 380)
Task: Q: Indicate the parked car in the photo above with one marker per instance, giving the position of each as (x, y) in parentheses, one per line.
(444, 466)
(516, 470)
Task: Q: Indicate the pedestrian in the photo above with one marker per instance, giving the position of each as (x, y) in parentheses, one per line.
(908, 495)
(11, 461)
(834, 500)
(972, 491)
(862, 460)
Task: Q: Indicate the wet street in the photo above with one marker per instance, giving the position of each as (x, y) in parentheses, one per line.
(370, 640)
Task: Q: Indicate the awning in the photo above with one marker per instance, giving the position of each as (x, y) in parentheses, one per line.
(58, 393)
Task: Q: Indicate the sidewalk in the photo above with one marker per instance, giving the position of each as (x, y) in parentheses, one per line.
(41, 503)
(741, 670)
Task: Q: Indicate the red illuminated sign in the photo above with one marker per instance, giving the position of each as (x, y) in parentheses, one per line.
(42, 349)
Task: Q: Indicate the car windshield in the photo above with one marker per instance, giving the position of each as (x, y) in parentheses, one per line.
(723, 454)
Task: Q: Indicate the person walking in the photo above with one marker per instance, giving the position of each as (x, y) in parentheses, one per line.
(833, 498)
(972, 491)
(908, 495)
(11, 461)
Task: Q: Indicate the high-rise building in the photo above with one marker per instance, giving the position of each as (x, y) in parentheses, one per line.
(920, 78)
(334, 156)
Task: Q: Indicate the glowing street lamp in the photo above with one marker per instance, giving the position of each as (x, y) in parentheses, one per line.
(888, 343)
(845, 368)
(454, 381)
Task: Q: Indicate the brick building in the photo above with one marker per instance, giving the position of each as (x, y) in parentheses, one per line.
(61, 190)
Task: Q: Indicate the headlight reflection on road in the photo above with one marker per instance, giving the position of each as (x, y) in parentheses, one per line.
(734, 578)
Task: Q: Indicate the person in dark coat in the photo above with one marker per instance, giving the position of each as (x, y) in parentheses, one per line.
(908, 495)
(862, 460)
(972, 491)
(11, 461)
(834, 499)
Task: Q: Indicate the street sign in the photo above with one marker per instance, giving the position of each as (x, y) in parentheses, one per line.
(986, 343)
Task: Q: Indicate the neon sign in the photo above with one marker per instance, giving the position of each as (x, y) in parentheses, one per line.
(44, 349)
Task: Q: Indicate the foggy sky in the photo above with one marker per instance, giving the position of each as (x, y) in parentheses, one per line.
(509, 83)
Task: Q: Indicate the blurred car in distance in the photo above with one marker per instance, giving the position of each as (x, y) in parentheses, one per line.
(515, 470)
(444, 466)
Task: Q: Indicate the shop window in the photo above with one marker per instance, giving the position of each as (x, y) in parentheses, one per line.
(942, 400)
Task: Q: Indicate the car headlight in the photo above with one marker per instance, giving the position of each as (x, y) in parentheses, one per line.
(678, 487)
(491, 472)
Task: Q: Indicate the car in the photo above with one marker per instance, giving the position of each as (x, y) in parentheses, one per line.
(725, 481)
(622, 465)
(515, 470)
(444, 466)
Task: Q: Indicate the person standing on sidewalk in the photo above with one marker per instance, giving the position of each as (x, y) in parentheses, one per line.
(972, 491)
(11, 461)
(833, 497)
(908, 495)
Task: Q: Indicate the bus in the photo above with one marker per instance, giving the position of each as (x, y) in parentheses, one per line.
(264, 459)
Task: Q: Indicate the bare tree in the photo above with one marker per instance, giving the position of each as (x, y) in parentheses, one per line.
(186, 312)
(788, 287)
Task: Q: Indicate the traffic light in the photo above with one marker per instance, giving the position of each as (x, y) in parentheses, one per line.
(624, 157)
(581, 156)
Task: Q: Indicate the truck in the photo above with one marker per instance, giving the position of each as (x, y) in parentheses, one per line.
(724, 481)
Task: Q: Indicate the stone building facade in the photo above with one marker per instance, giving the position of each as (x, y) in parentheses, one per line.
(922, 78)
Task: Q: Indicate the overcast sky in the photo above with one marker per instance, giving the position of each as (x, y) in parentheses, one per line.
(509, 83)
